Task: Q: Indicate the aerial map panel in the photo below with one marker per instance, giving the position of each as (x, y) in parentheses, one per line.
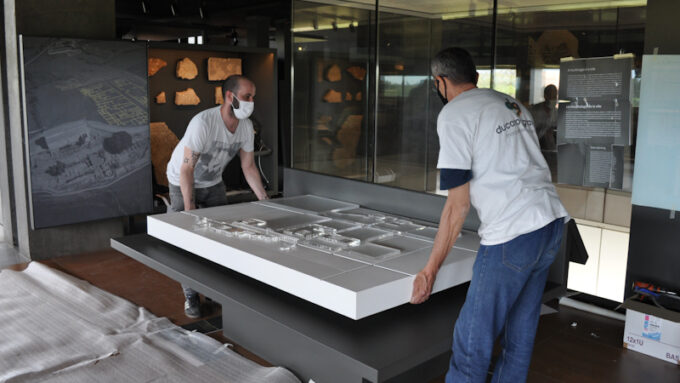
(88, 129)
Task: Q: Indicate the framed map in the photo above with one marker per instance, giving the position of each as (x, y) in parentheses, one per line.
(87, 129)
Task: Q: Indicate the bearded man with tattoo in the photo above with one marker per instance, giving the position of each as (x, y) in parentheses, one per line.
(212, 139)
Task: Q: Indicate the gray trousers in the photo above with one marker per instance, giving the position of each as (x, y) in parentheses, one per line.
(203, 197)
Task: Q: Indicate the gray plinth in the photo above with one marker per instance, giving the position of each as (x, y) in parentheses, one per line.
(406, 343)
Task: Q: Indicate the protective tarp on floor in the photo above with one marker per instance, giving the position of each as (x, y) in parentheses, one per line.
(56, 328)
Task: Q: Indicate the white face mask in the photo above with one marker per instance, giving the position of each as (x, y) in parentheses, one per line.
(244, 110)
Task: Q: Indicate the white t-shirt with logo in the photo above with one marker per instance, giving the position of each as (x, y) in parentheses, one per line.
(208, 135)
(493, 135)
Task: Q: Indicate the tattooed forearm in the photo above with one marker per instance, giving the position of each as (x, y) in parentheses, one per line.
(193, 160)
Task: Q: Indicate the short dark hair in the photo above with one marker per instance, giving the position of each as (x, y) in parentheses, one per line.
(233, 83)
(550, 90)
(456, 64)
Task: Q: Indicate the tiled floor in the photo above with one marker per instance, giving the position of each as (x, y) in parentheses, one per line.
(591, 351)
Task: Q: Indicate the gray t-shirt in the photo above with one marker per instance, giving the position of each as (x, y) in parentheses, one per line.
(208, 135)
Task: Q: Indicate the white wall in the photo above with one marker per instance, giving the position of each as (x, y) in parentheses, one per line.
(604, 275)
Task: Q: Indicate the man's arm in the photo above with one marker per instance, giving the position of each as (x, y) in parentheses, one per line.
(186, 177)
(252, 174)
(451, 222)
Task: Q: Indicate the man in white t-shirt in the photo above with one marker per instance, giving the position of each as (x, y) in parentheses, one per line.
(489, 157)
(212, 139)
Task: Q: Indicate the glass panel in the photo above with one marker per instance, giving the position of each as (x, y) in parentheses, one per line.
(331, 60)
(335, 129)
(409, 34)
(469, 26)
(403, 121)
(533, 40)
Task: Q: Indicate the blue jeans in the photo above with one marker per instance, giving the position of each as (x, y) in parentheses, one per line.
(203, 197)
(504, 299)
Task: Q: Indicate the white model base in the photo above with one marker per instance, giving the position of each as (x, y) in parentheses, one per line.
(354, 261)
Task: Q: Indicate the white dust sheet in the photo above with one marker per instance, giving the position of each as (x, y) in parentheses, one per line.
(57, 328)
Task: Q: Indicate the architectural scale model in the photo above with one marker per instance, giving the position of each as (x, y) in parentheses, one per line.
(338, 255)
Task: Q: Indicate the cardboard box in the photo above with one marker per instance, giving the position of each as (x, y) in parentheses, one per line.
(652, 331)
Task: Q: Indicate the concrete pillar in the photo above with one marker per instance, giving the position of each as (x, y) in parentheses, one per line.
(5, 161)
(13, 111)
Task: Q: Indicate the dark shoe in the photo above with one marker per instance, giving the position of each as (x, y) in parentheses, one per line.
(210, 307)
(192, 307)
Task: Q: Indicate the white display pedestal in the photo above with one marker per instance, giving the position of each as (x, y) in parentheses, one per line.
(354, 261)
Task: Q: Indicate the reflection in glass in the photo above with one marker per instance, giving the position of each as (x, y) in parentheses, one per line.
(388, 135)
(533, 40)
(384, 130)
(407, 145)
(504, 81)
(331, 49)
(402, 106)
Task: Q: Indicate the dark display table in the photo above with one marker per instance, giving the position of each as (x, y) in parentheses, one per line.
(405, 344)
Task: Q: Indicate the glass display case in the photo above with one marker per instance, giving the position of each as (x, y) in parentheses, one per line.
(363, 105)
(332, 54)
(380, 126)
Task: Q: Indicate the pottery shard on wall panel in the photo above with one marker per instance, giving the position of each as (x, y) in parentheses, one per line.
(334, 74)
(163, 141)
(155, 64)
(221, 68)
(219, 96)
(333, 96)
(187, 97)
(186, 69)
(160, 98)
(357, 72)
